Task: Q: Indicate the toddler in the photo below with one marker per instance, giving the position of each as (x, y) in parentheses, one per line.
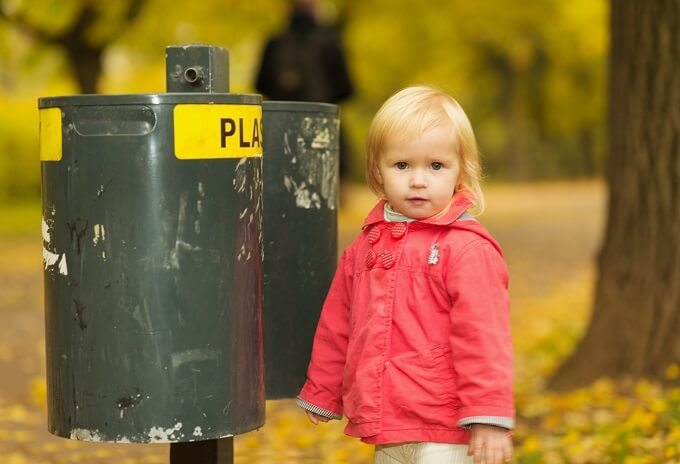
(413, 344)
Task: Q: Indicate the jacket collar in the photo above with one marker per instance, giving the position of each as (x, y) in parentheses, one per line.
(462, 200)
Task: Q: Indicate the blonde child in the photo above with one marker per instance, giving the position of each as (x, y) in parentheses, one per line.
(413, 345)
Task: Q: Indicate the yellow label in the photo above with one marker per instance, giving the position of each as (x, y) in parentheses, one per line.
(50, 134)
(217, 131)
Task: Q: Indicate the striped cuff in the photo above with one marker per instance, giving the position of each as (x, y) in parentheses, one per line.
(315, 409)
(498, 421)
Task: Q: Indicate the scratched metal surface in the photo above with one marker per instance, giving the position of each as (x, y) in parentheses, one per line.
(153, 279)
(300, 233)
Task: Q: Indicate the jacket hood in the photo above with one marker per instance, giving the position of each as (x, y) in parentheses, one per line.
(462, 201)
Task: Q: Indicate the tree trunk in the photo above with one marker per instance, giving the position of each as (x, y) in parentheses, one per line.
(635, 327)
(84, 56)
(87, 66)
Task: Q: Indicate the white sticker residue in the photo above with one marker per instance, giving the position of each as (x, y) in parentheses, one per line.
(63, 268)
(240, 177)
(49, 258)
(188, 356)
(52, 259)
(241, 252)
(86, 435)
(161, 435)
(99, 234)
(304, 198)
(322, 140)
(313, 154)
(45, 231)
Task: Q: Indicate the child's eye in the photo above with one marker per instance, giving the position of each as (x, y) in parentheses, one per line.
(437, 166)
(401, 165)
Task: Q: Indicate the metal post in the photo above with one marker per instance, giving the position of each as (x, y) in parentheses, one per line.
(203, 452)
(199, 69)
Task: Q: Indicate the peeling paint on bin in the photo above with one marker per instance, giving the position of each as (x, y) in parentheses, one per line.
(165, 435)
(52, 260)
(155, 434)
(86, 435)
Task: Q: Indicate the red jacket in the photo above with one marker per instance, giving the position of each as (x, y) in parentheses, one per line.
(414, 335)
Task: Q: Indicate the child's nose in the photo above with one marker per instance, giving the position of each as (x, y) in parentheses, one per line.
(417, 179)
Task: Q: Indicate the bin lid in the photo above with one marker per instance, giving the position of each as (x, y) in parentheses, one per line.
(297, 106)
(149, 99)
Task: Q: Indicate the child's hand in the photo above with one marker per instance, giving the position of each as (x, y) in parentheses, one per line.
(315, 418)
(490, 444)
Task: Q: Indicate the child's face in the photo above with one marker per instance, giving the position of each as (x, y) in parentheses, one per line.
(419, 173)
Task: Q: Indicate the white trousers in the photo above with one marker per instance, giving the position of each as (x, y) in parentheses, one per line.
(422, 453)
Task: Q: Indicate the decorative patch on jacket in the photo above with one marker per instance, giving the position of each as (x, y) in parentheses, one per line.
(387, 259)
(398, 230)
(370, 259)
(373, 235)
(434, 254)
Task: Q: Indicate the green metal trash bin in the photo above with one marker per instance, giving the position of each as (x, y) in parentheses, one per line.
(300, 233)
(152, 247)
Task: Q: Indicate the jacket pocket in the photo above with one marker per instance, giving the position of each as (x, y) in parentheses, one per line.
(442, 364)
(420, 388)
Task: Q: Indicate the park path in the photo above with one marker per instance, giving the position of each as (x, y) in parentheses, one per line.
(550, 232)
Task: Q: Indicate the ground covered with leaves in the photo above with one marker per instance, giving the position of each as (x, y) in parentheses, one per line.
(550, 233)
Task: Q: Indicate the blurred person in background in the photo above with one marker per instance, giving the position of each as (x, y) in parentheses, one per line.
(305, 62)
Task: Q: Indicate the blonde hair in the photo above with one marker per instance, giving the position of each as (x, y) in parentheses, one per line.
(413, 110)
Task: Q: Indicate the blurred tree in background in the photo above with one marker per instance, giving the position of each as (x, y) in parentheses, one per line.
(530, 75)
(83, 34)
(636, 320)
